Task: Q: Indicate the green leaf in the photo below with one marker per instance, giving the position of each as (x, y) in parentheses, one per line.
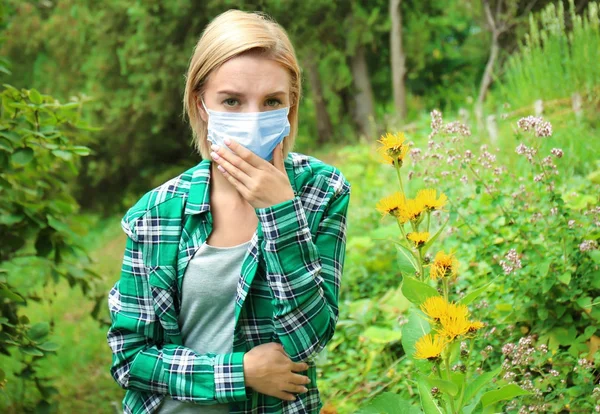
(65, 155)
(22, 156)
(565, 278)
(5, 145)
(8, 293)
(2, 375)
(505, 393)
(444, 386)
(39, 331)
(30, 350)
(80, 150)
(595, 255)
(585, 302)
(58, 225)
(427, 402)
(11, 136)
(476, 385)
(35, 97)
(406, 262)
(415, 328)
(417, 291)
(388, 403)
(470, 297)
(49, 346)
(11, 219)
(381, 335)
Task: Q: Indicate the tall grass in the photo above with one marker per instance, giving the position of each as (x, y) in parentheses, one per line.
(558, 57)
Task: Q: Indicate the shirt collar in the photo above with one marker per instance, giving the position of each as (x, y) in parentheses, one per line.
(198, 195)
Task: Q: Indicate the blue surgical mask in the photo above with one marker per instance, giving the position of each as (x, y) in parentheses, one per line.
(260, 132)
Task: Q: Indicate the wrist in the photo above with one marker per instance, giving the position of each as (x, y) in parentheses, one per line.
(248, 370)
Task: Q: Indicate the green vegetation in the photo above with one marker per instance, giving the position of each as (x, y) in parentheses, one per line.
(520, 226)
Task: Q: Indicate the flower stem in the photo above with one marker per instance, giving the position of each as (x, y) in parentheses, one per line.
(445, 286)
(466, 378)
(397, 165)
(401, 228)
(450, 398)
(421, 271)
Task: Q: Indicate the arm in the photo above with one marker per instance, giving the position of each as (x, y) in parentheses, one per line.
(138, 363)
(303, 272)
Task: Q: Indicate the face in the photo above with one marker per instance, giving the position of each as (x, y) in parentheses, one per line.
(247, 83)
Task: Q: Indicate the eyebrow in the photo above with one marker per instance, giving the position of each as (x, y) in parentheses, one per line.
(238, 94)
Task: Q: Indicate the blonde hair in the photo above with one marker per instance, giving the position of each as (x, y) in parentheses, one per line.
(229, 35)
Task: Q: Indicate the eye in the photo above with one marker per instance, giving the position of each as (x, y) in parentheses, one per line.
(272, 102)
(230, 102)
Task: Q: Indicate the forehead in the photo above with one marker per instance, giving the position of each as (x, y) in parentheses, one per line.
(250, 74)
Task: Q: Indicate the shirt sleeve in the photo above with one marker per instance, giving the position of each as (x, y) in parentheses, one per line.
(140, 360)
(304, 272)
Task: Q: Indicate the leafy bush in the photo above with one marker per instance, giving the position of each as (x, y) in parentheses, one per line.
(38, 158)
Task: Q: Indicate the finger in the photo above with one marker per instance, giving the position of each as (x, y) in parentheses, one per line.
(299, 379)
(285, 396)
(244, 153)
(299, 366)
(296, 389)
(229, 169)
(232, 158)
(241, 188)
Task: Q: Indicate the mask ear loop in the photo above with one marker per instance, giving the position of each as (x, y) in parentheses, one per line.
(207, 114)
(203, 104)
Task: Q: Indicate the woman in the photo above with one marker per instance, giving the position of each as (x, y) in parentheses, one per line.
(231, 273)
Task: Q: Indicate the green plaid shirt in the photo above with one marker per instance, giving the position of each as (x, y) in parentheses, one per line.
(287, 292)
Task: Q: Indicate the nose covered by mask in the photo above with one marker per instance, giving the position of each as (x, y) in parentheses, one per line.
(260, 132)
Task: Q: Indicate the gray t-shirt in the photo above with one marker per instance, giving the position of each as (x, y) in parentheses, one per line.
(208, 311)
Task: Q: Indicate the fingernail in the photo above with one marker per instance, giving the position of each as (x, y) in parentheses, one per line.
(304, 389)
(214, 155)
(221, 168)
(214, 147)
(227, 141)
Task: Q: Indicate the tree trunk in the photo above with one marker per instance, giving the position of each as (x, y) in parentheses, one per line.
(324, 127)
(486, 80)
(363, 96)
(398, 60)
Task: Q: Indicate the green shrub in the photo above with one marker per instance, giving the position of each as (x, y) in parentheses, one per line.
(40, 243)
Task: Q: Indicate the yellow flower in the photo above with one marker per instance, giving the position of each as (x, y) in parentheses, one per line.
(411, 210)
(456, 322)
(443, 265)
(475, 326)
(429, 200)
(393, 147)
(419, 239)
(435, 307)
(429, 346)
(391, 205)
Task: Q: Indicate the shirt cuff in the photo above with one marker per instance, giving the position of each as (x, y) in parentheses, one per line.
(283, 218)
(230, 384)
